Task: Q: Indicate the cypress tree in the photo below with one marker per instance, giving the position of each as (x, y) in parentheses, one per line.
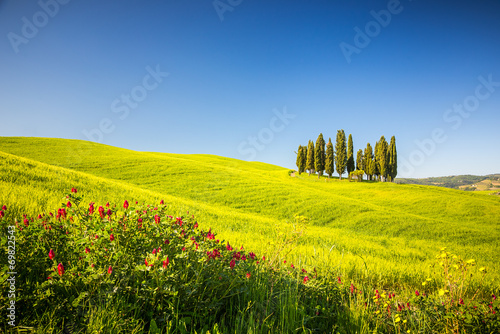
(319, 155)
(350, 155)
(368, 162)
(310, 157)
(382, 158)
(301, 162)
(341, 153)
(359, 160)
(304, 157)
(329, 158)
(393, 159)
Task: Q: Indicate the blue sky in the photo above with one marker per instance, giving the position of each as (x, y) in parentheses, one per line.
(253, 80)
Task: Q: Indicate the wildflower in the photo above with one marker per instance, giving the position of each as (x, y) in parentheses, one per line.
(248, 275)
(304, 271)
(292, 266)
(154, 251)
(417, 293)
(111, 237)
(166, 262)
(51, 254)
(96, 236)
(284, 262)
(167, 241)
(461, 301)
(101, 211)
(91, 208)
(68, 204)
(2, 214)
(73, 190)
(195, 225)
(157, 219)
(161, 202)
(139, 220)
(306, 279)
(228, 247)
(109, 212)
(4, 207)
(107, 205)
(26, 222)
(352, 288)
(125, 205)
(110, 270)
(232, 263)
(183, 249)
(87, 250)
(339, 280)
(60, 269)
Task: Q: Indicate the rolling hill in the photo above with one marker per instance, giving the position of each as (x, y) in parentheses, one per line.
(365, 230)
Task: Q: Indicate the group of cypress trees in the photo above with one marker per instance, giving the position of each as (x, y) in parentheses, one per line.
(380, 165)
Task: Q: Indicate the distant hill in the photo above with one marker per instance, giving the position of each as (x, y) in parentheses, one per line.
(463, 182)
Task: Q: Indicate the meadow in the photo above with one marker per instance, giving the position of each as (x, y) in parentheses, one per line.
(379, 236)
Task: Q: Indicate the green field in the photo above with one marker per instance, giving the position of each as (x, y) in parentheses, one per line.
(396, 229)
(380, 234)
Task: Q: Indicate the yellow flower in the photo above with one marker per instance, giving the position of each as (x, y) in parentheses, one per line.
(424, 283)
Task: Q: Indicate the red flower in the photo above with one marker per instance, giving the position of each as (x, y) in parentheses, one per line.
(157, 219)
(101, 211)
(417, 293)
(68, 204)
(166, 262)
(306, 279)
(91, 208)
(26, 222)
(352, 288)
(232, 263)
(60, 269)
(461, 301)
(1, 214)
(109, 212)
(139, 220)
(161, 202)
(304, 271)
(73, 190)
(107, 205)
(339, 280)
(248, 275)
(111, 237)
(51, 254)
(110, 270)
(195, 225)
(125, 205)
(252, 255)
(87, 250)
(154, 251)
(4, 208)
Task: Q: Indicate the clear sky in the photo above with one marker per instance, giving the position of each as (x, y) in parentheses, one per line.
(253, 80)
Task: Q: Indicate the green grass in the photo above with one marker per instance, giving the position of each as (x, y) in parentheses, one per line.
(374, 232)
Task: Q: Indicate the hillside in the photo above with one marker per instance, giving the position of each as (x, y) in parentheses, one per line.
(393, 229)
(463, 182)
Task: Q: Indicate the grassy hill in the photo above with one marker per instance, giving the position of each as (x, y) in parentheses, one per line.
(365, 231)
